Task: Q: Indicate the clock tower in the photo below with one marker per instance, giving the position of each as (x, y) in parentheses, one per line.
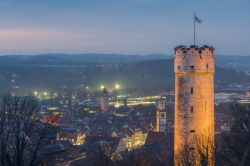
(161, 116)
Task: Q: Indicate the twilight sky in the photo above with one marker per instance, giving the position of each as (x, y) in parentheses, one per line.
(122, 26)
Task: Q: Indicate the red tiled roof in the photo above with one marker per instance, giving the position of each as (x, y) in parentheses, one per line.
(56, 119)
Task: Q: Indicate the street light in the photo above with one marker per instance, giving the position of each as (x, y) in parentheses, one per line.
(117, 86)
(35, 93)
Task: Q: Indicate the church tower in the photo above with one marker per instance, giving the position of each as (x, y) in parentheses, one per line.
(194, 69)
(161, 116)
(104, 101)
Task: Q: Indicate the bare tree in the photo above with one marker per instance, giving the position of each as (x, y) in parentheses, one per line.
(234, 146)
(185, 157)
(201, 152)
(24, 139)
(101, 154)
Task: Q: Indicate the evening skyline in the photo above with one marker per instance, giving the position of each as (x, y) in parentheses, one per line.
(122, 26)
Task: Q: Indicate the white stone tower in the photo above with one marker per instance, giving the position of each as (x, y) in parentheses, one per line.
(194, 69)
(161, 116)
(104, 101)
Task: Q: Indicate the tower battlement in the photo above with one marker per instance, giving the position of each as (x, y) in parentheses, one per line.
(205, 50)
(194, 59)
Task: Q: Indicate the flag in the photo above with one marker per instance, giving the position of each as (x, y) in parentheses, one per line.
(197, 19)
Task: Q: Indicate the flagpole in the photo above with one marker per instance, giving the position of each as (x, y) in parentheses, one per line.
(194, 28)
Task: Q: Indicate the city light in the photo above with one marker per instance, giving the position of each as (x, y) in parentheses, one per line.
(117, 86)
(45, 93)
(102, 87)
(55, 94)
(35, 93)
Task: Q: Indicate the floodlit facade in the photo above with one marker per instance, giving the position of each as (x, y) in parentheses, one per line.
(74, 137)
(136, 140)
(194, 69)
(161, 116)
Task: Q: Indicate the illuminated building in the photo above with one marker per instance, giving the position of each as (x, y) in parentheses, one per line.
(245, 100)
(134, 140)
(74, 137)
(248, 94)
(123, 111)
(194, 99)
(104, 101)
(161, 116)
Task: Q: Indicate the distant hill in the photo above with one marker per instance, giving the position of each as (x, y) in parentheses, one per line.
(48, 72)
(241, 63)
(91, 57)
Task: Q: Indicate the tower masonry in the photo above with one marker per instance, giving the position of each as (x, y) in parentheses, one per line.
(194, 69)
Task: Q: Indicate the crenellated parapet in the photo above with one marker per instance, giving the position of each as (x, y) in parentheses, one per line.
(194, 59)
(194, 49)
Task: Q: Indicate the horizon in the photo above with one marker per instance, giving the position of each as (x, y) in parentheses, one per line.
(121, 27)
(106, 54)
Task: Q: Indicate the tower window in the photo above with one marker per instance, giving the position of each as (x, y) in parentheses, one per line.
(179, 67)
(192, 109)
(191, 148)
(192, 131)
(192, 90)
(207, 65)
(162, 115)
(192, 67)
